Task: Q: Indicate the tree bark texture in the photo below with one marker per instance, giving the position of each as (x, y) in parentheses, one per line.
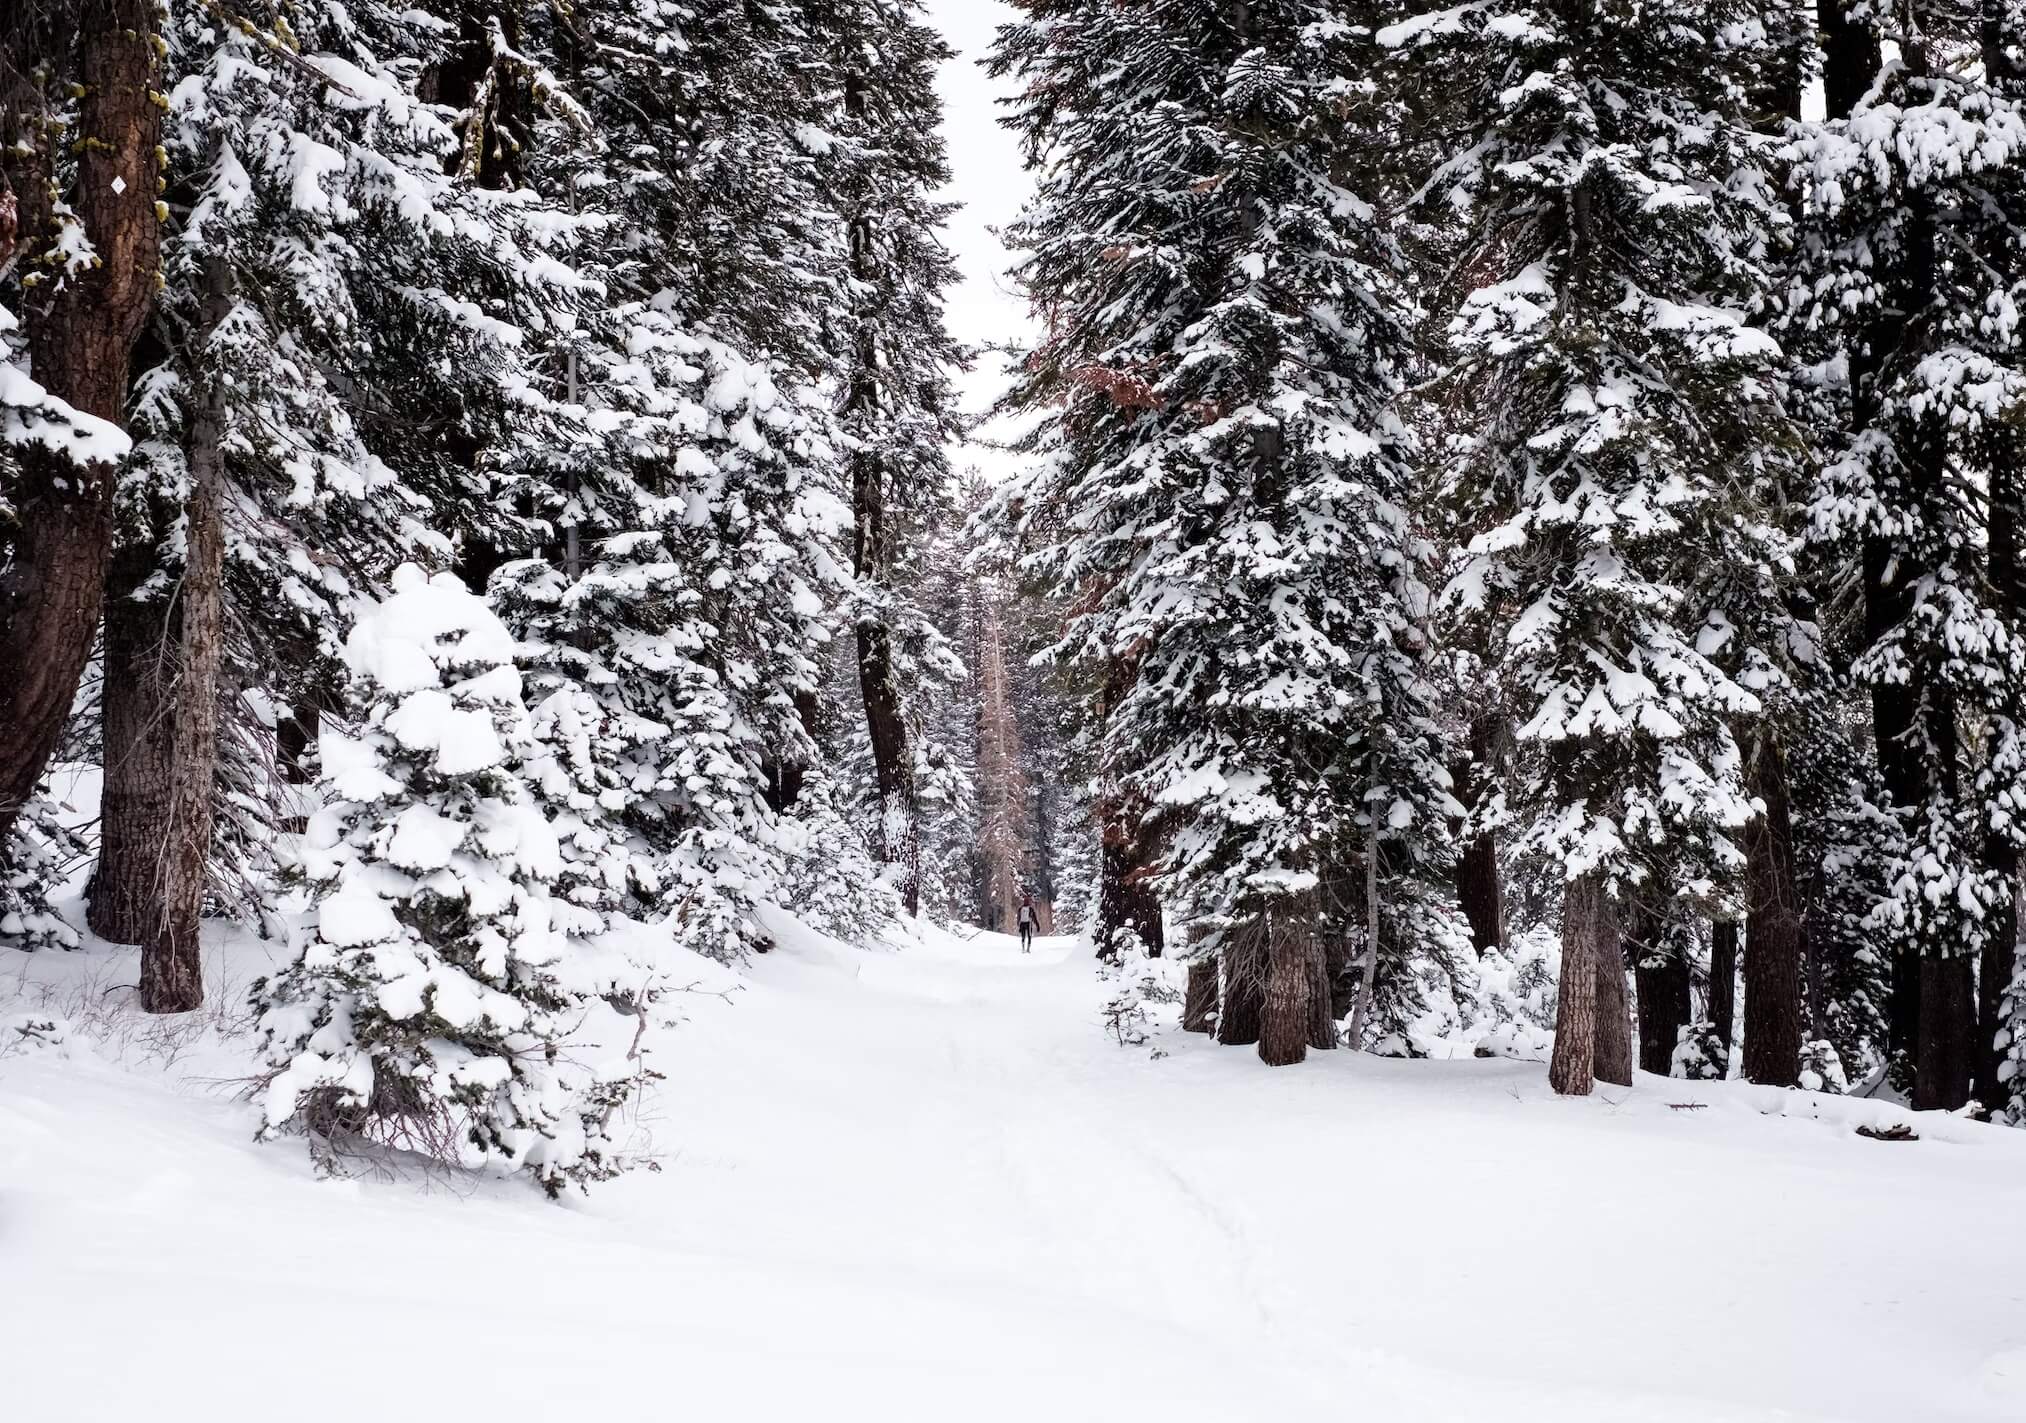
(1612, 1059)
(81, 331)
(142, 647)
(1244, 1006)
(1199, 1002)
(172, 966)
(1772, 1047)
(1572, 1068)
(1293, 969)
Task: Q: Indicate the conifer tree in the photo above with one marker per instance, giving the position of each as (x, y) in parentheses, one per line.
(1223, 502)
(431, 1006)
(673, 609)
(1617, 407)
(328, 274)
(1908, 286)
(886, 160)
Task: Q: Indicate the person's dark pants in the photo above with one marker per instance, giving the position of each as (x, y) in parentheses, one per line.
(1026, 937)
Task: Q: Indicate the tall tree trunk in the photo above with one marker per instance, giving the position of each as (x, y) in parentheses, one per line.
(138, 700)
(1572, 1069)
(172, 967)
(1772, 1048)
(1199, 1003)
(80, 338)
(1239, 1020)
(897, 840)
(1723, 985)
(1292, 970)
(1660, 971)
(1478, 886)
(1611, 1059)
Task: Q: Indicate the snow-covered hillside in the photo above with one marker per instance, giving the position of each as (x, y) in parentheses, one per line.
(922, 1183)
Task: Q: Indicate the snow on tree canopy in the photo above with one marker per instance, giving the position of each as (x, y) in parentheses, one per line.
(432, 1001)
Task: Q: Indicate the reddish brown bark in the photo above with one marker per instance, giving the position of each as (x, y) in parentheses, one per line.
(81, 330)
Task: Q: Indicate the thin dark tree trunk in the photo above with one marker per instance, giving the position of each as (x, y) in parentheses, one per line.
(1660, 972)
(1772, 1046)
(1199, 1003)
(1478, 886)
(1244, 1006)
(1723, 985)
(1612, 1056)
(1292, 970)
(1572, 1069)
(1322, 1022)
(172, 966)
(897, 839)
(81, 339)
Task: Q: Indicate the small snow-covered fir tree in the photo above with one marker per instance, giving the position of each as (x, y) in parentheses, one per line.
(434, 999)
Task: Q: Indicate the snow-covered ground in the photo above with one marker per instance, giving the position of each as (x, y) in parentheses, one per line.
(920, 1183)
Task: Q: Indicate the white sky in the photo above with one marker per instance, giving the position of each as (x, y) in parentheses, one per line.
(990, 183)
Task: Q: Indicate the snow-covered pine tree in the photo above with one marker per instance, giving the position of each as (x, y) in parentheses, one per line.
(1616, 404)
(674, 614)
(884, 163)
(344, 319)
(432, 1006)
(1222, 502)
(1908, 286)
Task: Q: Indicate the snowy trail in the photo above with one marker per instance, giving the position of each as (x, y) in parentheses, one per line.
(924, 1185)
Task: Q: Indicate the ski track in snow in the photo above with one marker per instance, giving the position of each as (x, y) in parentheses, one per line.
(922, 1183)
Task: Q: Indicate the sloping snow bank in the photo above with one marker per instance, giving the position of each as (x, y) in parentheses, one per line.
(918, 1182)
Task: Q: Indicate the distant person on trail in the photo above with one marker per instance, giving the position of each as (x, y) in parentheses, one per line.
(1026, 921)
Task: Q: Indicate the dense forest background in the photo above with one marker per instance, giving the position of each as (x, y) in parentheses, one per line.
(1512, 525)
